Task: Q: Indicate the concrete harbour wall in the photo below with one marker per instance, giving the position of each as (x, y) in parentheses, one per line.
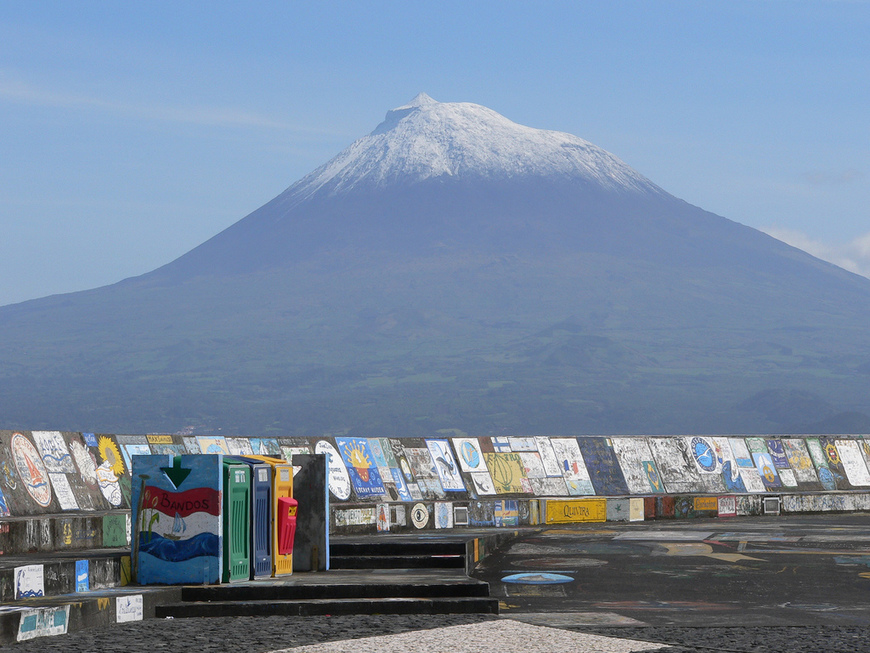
(407, 484)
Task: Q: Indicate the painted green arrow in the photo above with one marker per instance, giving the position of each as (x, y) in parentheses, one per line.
(176, 474)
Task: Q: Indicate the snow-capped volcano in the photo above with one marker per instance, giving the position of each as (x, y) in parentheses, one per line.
(455, 270)
(426, 139)
(457, 176)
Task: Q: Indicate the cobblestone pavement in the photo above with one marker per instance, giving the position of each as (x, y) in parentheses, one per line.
(262, 634)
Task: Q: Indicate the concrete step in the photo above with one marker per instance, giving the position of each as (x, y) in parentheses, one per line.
(400, 554)
(395, 605)
(47, 534)
(397, 548)
(61, 573)
(397, 562)
(57, 615)
(281, 592)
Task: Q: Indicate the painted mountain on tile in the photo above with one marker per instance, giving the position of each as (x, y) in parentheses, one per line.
(456, 270)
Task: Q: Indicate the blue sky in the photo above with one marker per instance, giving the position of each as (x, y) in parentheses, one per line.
(130, 132)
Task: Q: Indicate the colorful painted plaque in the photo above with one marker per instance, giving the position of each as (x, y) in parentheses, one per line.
(364, 474)
(177, 519)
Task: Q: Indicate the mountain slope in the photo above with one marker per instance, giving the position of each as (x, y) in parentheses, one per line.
(453, 270)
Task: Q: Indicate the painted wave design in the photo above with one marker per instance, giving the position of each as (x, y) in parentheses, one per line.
(29, 594)
(62, 460)
(203, 544)
(187, 527)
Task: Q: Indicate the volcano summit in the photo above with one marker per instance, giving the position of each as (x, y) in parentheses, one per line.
(456, 270)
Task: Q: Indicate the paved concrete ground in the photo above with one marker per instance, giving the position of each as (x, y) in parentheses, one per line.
(761, 571)
(789, 584)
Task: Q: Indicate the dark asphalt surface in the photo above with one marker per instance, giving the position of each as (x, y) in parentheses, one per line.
(261, 634)
(771, 585)
(752, 572)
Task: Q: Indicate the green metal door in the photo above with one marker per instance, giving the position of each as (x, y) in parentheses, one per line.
(237, 522)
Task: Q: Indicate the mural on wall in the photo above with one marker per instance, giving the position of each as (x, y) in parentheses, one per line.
(482, 484)
(443, 514)
(702, 451)
(109, 485)
(423, 468)
(776, 449)
(853, 463)
(704, 454)
(777, 453)
(469, 455)
(447, 472)
(446, 466)
(216, 444)
(63, 492)
(380, 458)
(767, 470)
(133, 445)
(30, 469)
(827, 476)
(164, 449)
(129, 608)
(548, 457)
(835, 462)
(541, 483)
(800, 463)
(752, 480)
(397, 449)
(763, 463)
(731, 477)
(364, 475)
(383, 517)
(191, 444)
(112, 473)
(573, 467)
(741, 452)
(471, 461)
(54, 452)
(507, 473)
(506, 513)
(676, 465)
(339, 479)
(402, 489)
(240, 447)
(499, 445)
(638, 467)
(29, 581)
(603, 467)
(86, 463)
(265, 447)
(518, 444)
(110, 455)
(533, 466)
(542, 467)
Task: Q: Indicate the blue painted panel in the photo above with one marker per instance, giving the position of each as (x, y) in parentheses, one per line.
(364, 474)
(82, 576)
(176, 516)
(603, 466)
(767, 470)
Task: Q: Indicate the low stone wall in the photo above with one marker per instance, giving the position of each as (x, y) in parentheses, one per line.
(410, 484)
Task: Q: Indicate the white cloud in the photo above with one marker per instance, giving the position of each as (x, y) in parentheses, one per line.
(853, 256)
(20, 92)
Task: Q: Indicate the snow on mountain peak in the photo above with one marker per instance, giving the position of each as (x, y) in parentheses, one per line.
(426, 139)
